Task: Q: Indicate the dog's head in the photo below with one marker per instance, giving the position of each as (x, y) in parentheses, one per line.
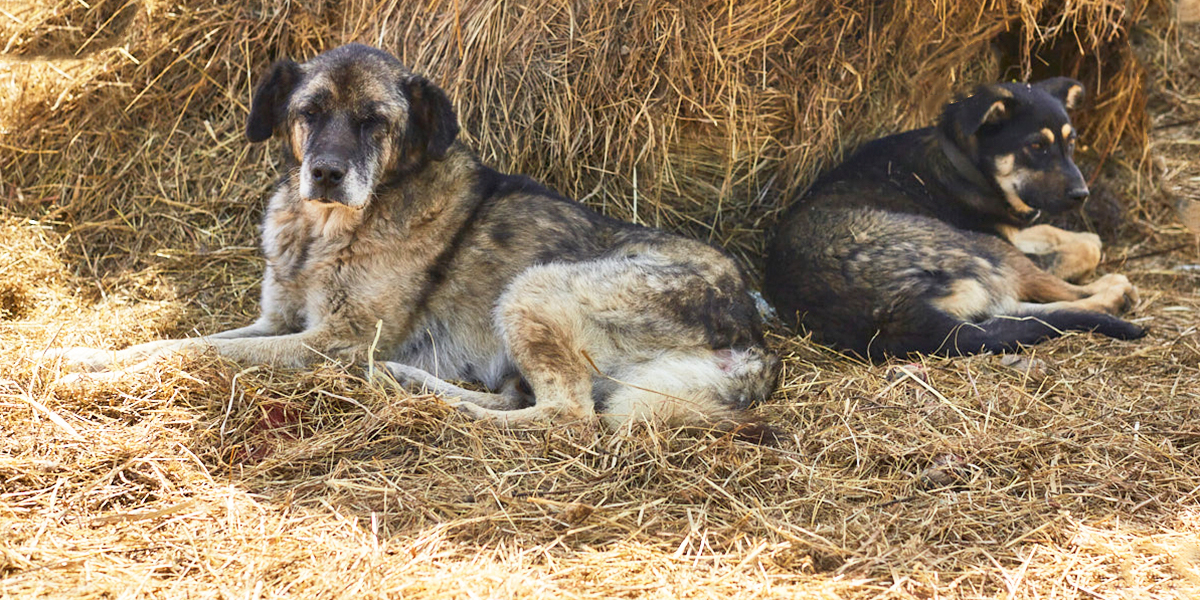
(1020, 139)
(351, 118)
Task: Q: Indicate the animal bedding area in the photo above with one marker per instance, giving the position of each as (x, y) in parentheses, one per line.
(129, 209)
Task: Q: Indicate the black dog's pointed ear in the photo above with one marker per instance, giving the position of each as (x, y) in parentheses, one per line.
(1067, 90)
(269, 104)
(432, 124)
(987, 105)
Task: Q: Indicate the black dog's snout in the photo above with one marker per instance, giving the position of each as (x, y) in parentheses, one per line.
(1078, 194)
(328, 173)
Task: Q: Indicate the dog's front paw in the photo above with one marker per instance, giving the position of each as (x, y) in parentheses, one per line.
(1078, 257)
(468, 409)
(80, 359)
(409, 378)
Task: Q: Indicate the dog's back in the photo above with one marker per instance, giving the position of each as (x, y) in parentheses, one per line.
(512, 224)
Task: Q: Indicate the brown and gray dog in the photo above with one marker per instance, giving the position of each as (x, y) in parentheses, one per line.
(472, 275)
(926, 241)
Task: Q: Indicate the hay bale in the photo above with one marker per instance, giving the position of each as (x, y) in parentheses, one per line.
(703, 117)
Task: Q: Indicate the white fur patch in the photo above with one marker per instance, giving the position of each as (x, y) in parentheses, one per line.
(1004, 164)
(358, 185)
(676, 387)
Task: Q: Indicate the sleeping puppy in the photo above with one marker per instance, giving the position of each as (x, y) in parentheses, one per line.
(918, 242)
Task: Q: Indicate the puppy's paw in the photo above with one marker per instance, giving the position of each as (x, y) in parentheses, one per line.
(1113, 294)
(1090, 239)
(1078, 257)
(80, 359)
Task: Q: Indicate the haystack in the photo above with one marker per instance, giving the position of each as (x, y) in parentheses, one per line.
(130, 204)
(698, 116)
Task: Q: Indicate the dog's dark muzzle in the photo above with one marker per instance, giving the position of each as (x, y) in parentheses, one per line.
(1077, 188)
(1077, 195)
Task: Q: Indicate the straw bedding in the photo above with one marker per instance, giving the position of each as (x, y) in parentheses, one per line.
(130, 202)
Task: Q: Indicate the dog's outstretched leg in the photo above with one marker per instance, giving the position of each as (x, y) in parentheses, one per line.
(417, 380)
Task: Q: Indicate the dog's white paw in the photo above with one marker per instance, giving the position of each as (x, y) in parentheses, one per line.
(469, 409)
(409, 378)
(80, 359)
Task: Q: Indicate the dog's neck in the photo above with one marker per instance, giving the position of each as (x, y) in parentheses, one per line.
(961, 163)
(422, 193)
(972, 188)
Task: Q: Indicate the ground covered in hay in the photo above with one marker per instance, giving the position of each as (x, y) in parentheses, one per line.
(128, 204)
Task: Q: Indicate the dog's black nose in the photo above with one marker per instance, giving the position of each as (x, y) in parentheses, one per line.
(1078, 194)
(328, 174)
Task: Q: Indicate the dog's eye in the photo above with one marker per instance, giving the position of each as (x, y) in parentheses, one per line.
(308, 114)
(1037, 147)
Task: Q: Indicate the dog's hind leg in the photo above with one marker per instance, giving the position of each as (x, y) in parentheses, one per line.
(541, 318)
(1111, 294)
(603, 338)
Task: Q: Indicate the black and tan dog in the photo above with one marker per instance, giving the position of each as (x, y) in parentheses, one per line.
(384, 218)
(918, 242)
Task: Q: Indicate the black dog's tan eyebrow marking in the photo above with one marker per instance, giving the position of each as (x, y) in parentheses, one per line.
(1068, 132)
(1047, 135)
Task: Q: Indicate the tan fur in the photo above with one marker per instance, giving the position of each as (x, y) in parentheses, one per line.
(1077, 254)
(996, 113)
(1047, 135)
(970, 298)
(1009, 181)
(1074, 97)
(1067, 130)
(1112, 293)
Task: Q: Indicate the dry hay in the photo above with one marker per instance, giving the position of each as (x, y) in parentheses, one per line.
(130, 204)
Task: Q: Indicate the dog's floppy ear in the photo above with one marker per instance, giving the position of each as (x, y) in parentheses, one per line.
(269, 104)
(987, 105)
(1067, 90)
(432, 124)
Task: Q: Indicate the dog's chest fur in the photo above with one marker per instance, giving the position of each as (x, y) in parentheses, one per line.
(317, 253)
(348, 269)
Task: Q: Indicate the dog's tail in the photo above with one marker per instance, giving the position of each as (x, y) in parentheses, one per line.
(1009, 332)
